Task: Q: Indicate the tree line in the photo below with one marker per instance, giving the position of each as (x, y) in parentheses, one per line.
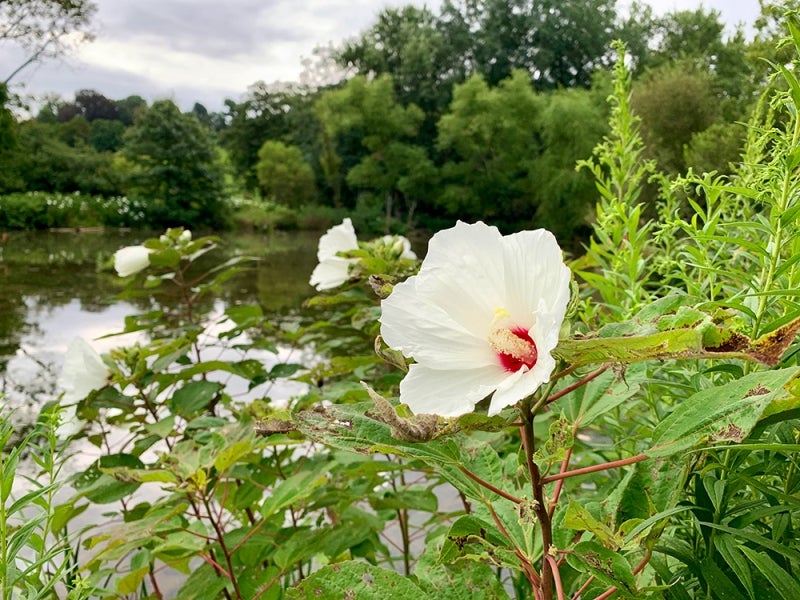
(478, 111)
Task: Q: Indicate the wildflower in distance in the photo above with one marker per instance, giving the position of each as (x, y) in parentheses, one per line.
(480, 318)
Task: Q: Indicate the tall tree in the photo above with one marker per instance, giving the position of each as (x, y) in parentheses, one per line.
(284, 175)
(490, 142)
(395, 170)
(409, 45)
(675, 102)
(9, 178)
(94, 105)
(558, 42)
(264, 114)
(176, 168)
(129, 108)
(44, 29)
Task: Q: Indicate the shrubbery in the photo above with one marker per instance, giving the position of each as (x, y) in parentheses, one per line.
(45, 210)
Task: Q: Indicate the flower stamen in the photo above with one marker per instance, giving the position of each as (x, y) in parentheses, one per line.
(514, 347)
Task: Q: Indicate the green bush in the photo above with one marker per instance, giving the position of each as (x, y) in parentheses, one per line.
(46, 210)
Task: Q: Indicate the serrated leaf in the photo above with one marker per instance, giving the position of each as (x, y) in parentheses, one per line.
(723, 413)
(579, 518)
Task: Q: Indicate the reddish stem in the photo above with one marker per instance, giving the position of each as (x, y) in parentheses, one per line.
(530, 573)
(489, 486)
(637, 568)
(556, 577)
(595, 468)
(574, 386)
(557, 492)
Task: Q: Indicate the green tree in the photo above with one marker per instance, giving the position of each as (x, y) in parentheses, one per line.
(284, 175)
(572, 122)
(697, 39)
(394, 169)
(74, 132)
(45, 162)
(44, 29)
(9, 178)
(106, 135)
(264, 114)
(175, 168)
(558, 42)
(490, 142)
(129, 108)
(94, 105)
(409, 44)
(718, 148)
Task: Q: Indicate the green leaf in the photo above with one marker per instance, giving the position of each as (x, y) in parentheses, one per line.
(294, 489)
(244, 313)
(628, 349)
(604, 393)
(100, 487)
(579, 518)
(735, 558)
(193, 397)
(203, 584)
(608, 566)
(168, 257)
(461, 579)
(357, 580)
(723, 413)
(784, 583)
(232, 453)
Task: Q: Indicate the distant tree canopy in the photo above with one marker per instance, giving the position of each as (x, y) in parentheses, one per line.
(175, 168)
(283, 174)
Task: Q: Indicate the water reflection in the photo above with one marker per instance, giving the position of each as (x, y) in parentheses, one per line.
(58, 285)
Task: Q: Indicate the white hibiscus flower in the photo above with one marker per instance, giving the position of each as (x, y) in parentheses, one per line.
(83, 371)
(481, 317)
(131, 260)
(333, 270)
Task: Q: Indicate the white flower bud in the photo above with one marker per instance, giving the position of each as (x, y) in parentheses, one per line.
(131, 260)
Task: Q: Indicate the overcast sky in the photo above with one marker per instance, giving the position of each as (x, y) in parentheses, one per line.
(206, 50)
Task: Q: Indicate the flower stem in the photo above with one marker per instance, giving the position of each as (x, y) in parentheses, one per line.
(601, 467)
(527, 413)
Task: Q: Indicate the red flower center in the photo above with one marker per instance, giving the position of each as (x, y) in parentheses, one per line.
(514, 348)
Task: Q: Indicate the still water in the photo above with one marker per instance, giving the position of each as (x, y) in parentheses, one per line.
(55, 286)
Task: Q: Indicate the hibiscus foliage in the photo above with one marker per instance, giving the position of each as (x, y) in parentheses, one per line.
(443, 445)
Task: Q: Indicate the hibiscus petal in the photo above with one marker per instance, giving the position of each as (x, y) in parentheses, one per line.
(422, 329)
(448, 393)
(82, 372)
(330, 273)
(339, 238)
(534, 272)
(521, 384)
(463, 274)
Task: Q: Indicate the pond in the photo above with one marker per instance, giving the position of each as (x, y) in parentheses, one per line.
(57, 285)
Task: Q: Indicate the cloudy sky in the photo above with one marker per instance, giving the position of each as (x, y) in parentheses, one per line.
(206, 51)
